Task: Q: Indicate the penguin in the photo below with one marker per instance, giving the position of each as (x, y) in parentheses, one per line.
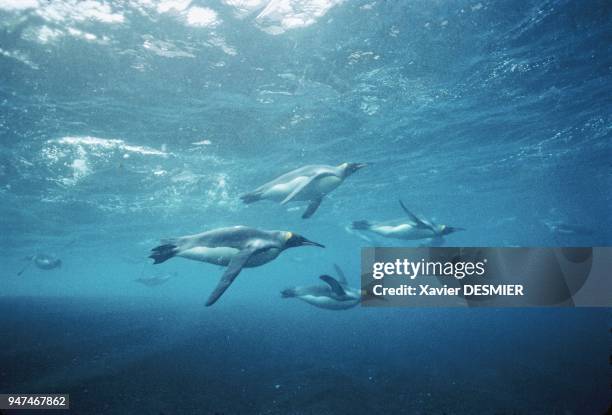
(412, 229)
(42, 261)
(309, 183)
(46, 262)
(235, 247)
(560, 227)
(336, 295)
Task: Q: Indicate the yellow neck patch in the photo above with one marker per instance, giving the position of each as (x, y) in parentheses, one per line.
(288, 236)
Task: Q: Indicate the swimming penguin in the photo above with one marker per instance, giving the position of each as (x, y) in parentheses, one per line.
(336, 295)
(560, 227)
(236, 247)
(42, 261)
(308, 183)
(413, 228)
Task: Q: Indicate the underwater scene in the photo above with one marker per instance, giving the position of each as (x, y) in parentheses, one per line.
(186, 187)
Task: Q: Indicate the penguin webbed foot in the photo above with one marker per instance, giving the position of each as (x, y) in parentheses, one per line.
(250, 197)
(163, 253)
(288, 293)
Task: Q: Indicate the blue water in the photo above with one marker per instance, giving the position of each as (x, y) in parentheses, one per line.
(122, 123)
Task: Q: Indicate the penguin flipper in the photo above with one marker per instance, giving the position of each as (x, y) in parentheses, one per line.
(341, 277)
(334, 285)
(312, 208)
(420, 222)
(230, 274)
(298, 189)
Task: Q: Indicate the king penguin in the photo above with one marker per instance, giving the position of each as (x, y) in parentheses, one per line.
(411, 228)
(235, 247)
(335, 295)
(42, 261)
(309, 183)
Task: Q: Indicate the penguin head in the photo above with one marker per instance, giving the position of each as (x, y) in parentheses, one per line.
(293, 240)
(445, 230)
(350, 168)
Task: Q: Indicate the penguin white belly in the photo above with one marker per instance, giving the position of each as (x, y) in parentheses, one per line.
(263, 257)
(280, 191)
(329, 303)
(320, 187)
(223, 255)
(403, 231)
(316, 189)
(217, 255)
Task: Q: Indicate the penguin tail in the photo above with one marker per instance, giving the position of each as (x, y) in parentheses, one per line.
(288, 293)
(361, 224)
(163, 253)
(251, 197)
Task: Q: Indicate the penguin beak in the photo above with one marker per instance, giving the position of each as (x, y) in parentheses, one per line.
(306, 242)
(454, 229)
(298, 240)
(360, 165)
